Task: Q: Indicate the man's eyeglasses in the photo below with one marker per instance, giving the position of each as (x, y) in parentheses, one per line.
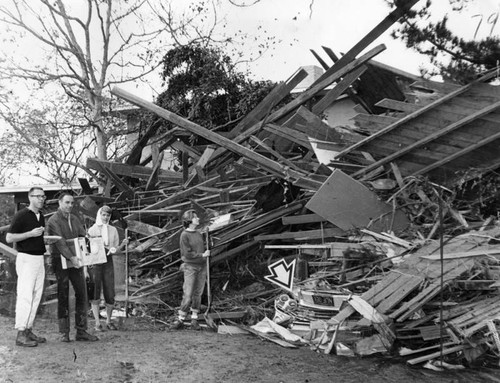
(39, 196)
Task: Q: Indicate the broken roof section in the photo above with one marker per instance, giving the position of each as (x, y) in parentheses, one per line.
(442, 139)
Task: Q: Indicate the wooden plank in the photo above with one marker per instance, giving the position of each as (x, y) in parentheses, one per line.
(350, 92)
(482, 323)
(120, 185)
(173, 198)
(261, 221)
(196, 169)
(224, 255)
(136, 171)
(463, 254)
(395, 71)
(437, 87)
(399, 106)
(348, 204)
(280, 342)
(182, 147)
(337, 91)
(275, 153)
(397, 283)
(477, 318)
(289, 134)
(369, 38)
(448, 129)
(437, 354)
(368, 296)
(411, 284)
(423, 127)
(157, 162)
(460, 153)
(301, 219)
(227, 315)
(8, 251)
(303, 235)
(314, 127)
(378, 321)
(416, 114)
(143, 228)
(216, 138)
(408, 308)
(476, 311)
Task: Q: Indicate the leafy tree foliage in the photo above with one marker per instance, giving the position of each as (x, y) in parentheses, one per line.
(453, 57)
(204, 87)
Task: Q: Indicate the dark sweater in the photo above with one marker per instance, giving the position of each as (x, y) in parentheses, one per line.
(58, 225)
(192, 247)
(25, 220)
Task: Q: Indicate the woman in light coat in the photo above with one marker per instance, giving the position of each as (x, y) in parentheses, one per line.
(103, 274)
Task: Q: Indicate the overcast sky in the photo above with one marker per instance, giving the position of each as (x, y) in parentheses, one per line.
(339, 24)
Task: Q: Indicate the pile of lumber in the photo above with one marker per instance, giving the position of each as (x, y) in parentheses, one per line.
(394, 248)
(363, 227)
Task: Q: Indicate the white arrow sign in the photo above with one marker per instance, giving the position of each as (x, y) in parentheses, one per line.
(282, 274)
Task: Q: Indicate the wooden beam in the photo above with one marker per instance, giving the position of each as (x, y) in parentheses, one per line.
(399, 106)
(305, 235)
(312, 126)
(217, 138)
(301, 219)
(261, 221)
(276, 154)
(375, 33)
(350, 92)
(336, 92)
(122, 186)
(174, 197)
(8, 251)
(182, 147)
(135, 171)
(290, 134)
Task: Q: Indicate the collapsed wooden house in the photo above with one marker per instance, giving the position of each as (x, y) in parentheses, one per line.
(363, 227)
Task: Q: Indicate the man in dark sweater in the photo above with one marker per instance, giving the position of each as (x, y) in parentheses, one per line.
(26, 230)
(68, 226)
(193, 255)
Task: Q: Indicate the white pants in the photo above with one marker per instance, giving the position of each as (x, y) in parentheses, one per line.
(30, 278)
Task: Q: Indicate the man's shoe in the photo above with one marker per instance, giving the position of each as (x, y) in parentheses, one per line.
(24, 341)
(85, 336)
(177, 325)
(34, 337)
(64, 337)
(195, 325)
(111, 326)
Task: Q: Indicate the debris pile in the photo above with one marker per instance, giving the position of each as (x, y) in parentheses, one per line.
(392, 239)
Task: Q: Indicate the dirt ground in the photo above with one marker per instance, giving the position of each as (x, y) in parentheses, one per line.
(141, 351)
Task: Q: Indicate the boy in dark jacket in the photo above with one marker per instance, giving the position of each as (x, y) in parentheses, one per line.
(193, 255)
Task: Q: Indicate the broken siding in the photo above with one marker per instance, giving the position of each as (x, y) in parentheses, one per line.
(451, 135)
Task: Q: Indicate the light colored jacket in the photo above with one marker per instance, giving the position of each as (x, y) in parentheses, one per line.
(113, 239)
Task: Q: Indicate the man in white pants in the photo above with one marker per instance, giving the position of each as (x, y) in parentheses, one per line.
(26, 230)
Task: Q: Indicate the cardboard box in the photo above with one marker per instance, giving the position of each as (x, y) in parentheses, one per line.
(90, 251)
